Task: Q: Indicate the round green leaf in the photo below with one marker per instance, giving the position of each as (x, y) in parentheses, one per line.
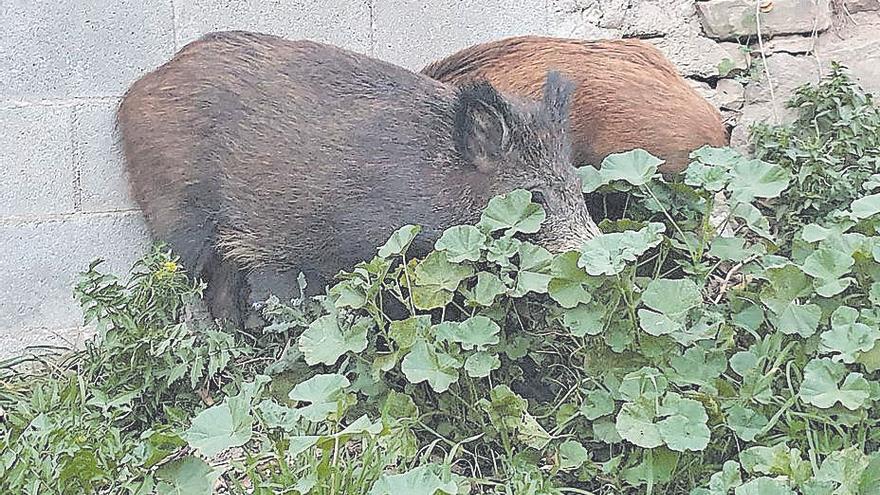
(419, 481)
(404, 333)
(475, 332)
(591, 178)
(186, 476)
(847, 338)
(534, 270)
(788, 284)
(424, 364)
(636, 167)
(596, 404)
(672, 297)
(635, 423)
(488, 287)
(697, 366)
(658, 324)
(710, 178)
(436, 271)
(319, 388)
(325, 342)
(461, 243)
(608, 254)
(569, 286)
(865, 207)
(572, 455)
(399, 241)
(585, 319)
(745, 422)
(828, 266)
(685, 427)
(513, 212)
(764, 486)
(822, 388)
(480, 364)
(217, 428)
(755, 220)
(648, 383)
(725, 480)
(756, 179)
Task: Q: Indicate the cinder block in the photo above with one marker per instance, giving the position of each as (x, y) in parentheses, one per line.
(414, 33)
(36, 174)
(345, 23)
(99, 158)
(61, 49)
(42, 260)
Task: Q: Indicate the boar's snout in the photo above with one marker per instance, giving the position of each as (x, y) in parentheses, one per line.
(560, 235)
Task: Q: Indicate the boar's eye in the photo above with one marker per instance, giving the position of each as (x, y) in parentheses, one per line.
(538, 198)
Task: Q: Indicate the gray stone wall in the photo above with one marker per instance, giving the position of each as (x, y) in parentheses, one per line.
(64, 65)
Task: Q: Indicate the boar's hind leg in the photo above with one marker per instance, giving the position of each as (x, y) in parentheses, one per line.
(224, 294)
(193, 239)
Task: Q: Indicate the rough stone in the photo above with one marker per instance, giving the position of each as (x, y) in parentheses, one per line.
(647, 18)
(739, 57)
(578, 25)
(857, 46)
(704, 90)
(671, 25)
(36, 283)
(751, 114)
(577, 19)
(728, 117)
(36, 173)
(413, 33)
(627, 18)
(345, 24)
(786, 73)
(695, 56)
(726, 95)
(64, 49)
(795, 45)
(853, 6)
(729, 19)
(730, 94)
(103, 181)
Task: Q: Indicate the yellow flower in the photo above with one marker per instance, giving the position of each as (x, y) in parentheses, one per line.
(170, 266)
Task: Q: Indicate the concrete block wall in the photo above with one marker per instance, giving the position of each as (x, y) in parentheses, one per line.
(64, 64)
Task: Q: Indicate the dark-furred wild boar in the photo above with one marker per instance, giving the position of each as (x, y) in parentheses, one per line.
(251, 153)
(628, 94)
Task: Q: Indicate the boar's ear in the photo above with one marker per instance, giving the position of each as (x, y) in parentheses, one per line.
(558, 91)
(482, 128)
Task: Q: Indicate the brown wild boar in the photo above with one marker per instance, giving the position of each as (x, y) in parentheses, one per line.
(628, 94)
(253, 154)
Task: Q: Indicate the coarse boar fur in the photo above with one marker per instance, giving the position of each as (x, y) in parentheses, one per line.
(252, 154)
(628, 94)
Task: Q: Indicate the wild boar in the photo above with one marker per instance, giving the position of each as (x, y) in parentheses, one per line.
(249, 153)
(628, 94)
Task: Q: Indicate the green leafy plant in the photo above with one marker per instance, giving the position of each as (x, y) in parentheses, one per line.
(832, 150)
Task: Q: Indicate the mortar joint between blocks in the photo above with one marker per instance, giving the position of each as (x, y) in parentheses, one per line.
(76, 158)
